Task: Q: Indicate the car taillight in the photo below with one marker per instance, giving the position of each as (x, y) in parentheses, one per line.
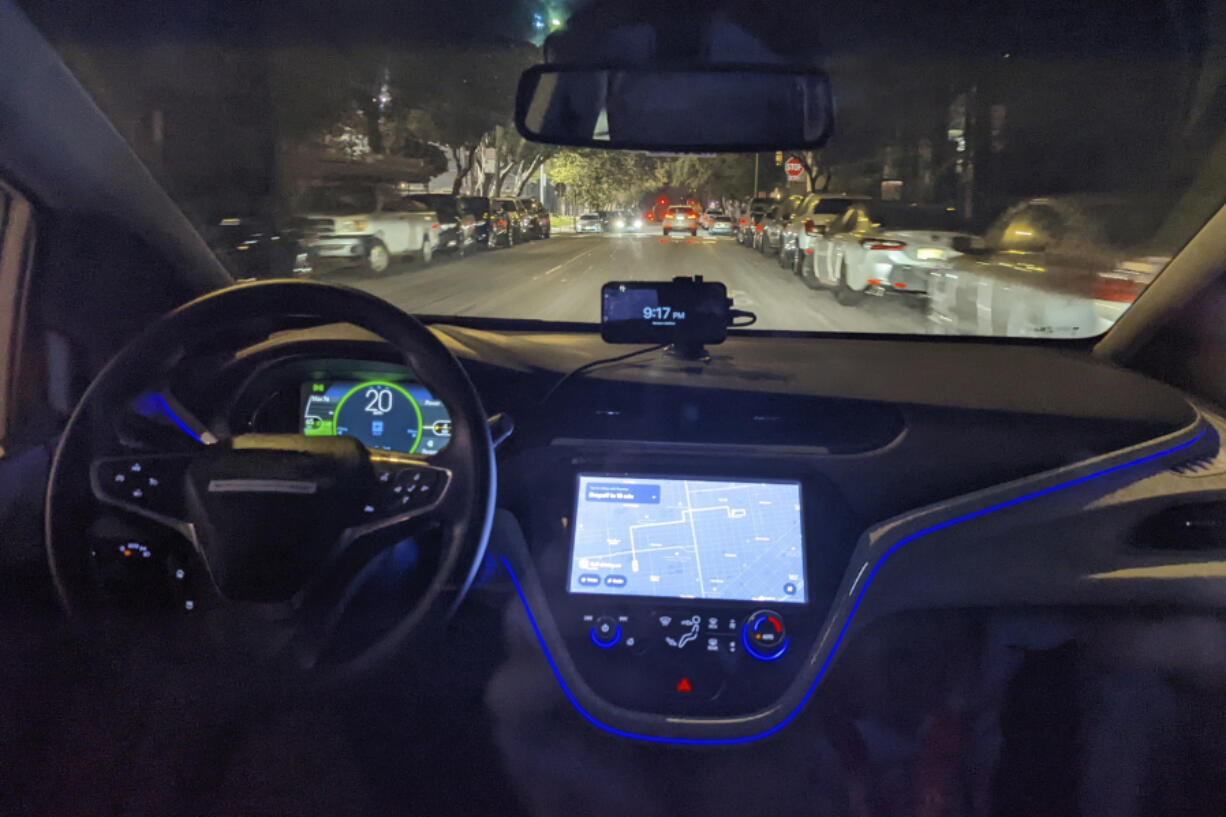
(434, 226)
(742, 221)
(668, 215)
(1117, 288)
(758, 227)
(881, 244)
(691, 215)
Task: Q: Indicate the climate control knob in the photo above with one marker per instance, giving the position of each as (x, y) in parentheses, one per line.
(764, 635)
(606, 632)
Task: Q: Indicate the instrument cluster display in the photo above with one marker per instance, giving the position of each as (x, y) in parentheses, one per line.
(386, 415)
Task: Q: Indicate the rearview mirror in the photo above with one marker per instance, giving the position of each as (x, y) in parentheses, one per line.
(713, 109)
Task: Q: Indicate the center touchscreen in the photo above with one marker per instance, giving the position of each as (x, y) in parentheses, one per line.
(688, 539)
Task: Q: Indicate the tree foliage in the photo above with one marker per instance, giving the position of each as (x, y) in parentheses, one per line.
(603, 179)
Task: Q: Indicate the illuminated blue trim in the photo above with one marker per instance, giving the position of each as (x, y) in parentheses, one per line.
(821, 673)
(178, 420)
(617, 636)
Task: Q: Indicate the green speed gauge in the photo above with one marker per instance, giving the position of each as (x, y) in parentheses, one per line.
(381, 414)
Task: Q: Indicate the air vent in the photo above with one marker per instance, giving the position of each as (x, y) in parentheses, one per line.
(1194, 527)
(1203, 464)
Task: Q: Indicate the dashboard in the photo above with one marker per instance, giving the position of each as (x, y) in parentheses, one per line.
(689, 542)
(380, 403)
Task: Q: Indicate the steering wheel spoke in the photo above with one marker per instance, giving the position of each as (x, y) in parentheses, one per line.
(148, 485)
(405, 489)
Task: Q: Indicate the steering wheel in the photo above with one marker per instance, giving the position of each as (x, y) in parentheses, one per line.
(284, 525)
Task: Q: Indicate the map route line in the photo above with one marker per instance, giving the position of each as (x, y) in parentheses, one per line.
(702, 587)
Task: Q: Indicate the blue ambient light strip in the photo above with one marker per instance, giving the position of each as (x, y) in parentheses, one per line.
(791, 716)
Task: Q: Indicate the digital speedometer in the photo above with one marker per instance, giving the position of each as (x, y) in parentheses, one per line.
(383, 414)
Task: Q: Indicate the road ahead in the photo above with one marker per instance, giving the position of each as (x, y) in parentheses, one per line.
(560, 279)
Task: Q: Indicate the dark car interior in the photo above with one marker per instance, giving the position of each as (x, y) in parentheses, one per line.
(1009, 598)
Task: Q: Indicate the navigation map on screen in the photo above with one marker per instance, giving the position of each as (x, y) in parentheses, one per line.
(685, 538)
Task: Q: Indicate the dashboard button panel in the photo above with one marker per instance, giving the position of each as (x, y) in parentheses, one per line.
(635, 654)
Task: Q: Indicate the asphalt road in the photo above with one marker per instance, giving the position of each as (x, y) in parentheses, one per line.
(560, 279)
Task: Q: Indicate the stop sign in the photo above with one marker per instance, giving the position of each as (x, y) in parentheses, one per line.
(793, 168)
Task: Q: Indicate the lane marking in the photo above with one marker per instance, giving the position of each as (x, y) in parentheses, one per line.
(564, 263)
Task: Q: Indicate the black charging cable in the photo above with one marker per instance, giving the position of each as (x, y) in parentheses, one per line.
(592, 365)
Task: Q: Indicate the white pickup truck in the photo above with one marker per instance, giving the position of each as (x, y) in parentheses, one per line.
(368, 224)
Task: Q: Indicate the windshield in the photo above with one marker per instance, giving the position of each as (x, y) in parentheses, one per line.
(1061, 146)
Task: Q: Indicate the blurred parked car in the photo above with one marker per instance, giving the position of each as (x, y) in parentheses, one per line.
(534, 219)
(680, 217)
(508, 210)
(808, 231)
(447, 208)
(891, 249)
(359, 222)
(590, 223)
(773, 226)
(476, 226)
(721, 225)
(1049, 267)
(708, 217)
(750, 216)
(253, 248)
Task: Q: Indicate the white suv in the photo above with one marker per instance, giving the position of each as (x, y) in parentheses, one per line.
(353, 222)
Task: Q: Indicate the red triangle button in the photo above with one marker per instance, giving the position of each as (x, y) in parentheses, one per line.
(684, 685)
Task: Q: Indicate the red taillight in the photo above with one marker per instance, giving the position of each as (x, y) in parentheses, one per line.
(691, 215)
(1119, 290)
(810, 227)
(434, 227)
(742, 221)
(668, 215)
(758, 227)
(881, 244)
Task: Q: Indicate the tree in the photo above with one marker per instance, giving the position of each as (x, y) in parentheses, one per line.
(603, 179)
(462, 104)
(817, 172)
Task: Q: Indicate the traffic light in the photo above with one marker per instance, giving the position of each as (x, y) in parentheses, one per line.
(663, 201)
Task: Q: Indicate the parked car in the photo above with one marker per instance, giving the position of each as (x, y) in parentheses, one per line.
(750, 217)
(721, 225)
(680, 217)
(807, 235)
(534, 219)
(774, 224)
(370, 224)
(590, 223)
(508, 209)
(476, 225)
(447, 208)
(891, 249)
(254, 248)
(1062, 266)
(708, 217)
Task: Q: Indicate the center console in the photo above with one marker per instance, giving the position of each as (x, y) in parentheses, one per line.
(689, 595)
(686, 595)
